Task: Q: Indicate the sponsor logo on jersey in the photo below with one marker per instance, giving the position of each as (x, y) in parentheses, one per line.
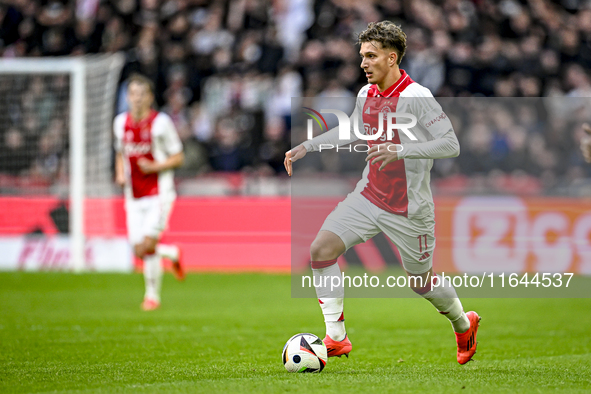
(132, 149)
(373, 131)
(436, 119)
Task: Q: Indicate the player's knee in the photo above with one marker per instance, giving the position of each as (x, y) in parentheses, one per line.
(149, 248)
(322, 251)
(420, 284)
(415, 288)
(139, 251)
(149, 245)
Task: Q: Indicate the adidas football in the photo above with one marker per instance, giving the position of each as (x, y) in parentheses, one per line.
(304, 353)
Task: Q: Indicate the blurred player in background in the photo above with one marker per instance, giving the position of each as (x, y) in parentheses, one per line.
(148, 150)
(394, 195)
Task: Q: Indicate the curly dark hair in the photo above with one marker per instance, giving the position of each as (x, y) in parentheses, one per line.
(388, 34)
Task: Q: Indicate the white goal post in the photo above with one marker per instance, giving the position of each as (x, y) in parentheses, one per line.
(92, 91)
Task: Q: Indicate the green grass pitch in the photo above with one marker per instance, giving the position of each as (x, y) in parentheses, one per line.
(224, 333)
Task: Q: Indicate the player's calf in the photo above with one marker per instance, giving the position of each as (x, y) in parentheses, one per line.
(152, 278)
(442, 295)
(325, 250)
(331, 299)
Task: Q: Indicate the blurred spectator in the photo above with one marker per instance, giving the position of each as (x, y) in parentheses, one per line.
(16, 156)
(516, 157)
(425, 66)
(39, 101)
(196, 159)
(238, 65)
(212, 36)
(475, 157)
(115, 36)
(10, 18)
(47, 163)
(87, 37)
(227, 152)
(275, 144)
(55, 13)
(288, 86)
(577, 80)
(201, 123)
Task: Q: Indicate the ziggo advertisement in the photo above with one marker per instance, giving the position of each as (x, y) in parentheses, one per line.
(510, 234)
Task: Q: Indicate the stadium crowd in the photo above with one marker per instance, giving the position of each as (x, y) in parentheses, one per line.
(226, 70)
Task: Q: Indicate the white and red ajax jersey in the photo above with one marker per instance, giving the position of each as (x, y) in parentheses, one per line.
(401, 187)
(154, 138)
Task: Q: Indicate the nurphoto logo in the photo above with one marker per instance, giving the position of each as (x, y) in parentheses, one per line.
(387, 125)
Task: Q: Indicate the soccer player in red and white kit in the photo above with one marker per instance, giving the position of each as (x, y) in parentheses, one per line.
(148, 150)
(393, 195)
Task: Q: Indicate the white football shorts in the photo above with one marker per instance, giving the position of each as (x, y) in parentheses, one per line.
(147, 217)
(356, 219)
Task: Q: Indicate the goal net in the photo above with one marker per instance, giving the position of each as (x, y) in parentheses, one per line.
(56, 159)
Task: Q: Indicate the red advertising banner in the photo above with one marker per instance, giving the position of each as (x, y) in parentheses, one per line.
(215, 234)
(474, 234)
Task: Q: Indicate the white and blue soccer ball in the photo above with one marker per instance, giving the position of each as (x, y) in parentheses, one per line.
(304, 353)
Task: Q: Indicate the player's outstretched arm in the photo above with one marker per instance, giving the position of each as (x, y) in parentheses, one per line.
(293, 155)
(443, 147)
(586, 143)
